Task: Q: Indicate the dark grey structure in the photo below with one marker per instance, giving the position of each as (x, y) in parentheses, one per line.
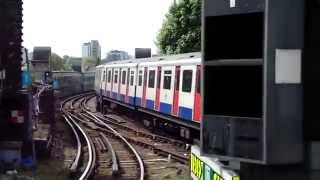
(40, 62)
(252, 85)
(142, 52)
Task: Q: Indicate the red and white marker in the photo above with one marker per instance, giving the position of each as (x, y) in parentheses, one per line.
(17, 116)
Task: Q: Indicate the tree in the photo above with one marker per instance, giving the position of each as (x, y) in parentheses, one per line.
(87, 63)
(181, 29)
(58, 64)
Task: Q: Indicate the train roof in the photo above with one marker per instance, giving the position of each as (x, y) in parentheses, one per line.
(162, 60)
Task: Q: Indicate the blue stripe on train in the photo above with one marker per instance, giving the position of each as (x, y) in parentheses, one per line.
(138, 101)
(185, 113)
(150, 104)
(131, 100)
(114, 95)
(122, 97)
(165, 108)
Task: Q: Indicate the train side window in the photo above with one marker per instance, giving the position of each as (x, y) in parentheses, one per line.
(167, 80)
(116, 77)
(151, 78)
(177, 83)
(187, 81)
(109, 76)
(104, 75)
(124, 75)
(131, 78)
(128, 77)
(140, 78)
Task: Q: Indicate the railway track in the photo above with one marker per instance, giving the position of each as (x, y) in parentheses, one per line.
(116, 150)
(97, 145)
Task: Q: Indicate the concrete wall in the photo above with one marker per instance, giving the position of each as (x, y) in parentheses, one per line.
(74, 82)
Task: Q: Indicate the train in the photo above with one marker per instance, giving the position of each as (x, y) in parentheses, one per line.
(166, 87)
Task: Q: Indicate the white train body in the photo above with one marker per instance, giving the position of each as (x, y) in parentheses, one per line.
(166, 85)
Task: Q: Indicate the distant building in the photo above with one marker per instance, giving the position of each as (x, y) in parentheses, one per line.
(91, 49)
(86, 49)
(116, 55)
(142, 52)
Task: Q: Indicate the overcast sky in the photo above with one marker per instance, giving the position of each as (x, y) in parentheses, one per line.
(117, 24)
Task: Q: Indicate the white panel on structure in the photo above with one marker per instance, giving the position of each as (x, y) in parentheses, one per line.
(232, 3)
(288, 66)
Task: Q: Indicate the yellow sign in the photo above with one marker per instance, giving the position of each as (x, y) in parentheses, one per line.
(203, 172)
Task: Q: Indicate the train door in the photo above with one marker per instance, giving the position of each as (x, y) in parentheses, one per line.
(139, 90)
(186, 95)
(127, 87)
(197, 96)
(123, 84)
(151, 89)
(112, 83)
(166, 95)
(115, 87)
(103, 84)
(158, 90)
(144, 91)
(132, 89)
(119, 84)
(109, 79)
(175, 108)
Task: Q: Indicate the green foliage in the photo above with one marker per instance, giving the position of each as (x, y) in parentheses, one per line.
(181, 30)
(88, 62)
(58, 64)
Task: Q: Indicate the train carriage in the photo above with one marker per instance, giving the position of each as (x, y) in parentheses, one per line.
(165, 85)
(120, 83)
(171, 87)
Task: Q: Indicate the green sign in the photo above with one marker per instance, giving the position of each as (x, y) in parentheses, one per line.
(202, 171)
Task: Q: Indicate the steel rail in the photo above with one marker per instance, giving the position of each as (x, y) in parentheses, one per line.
(115, 166)
(91, 151)
(181, 158)
(137, 155)
(146, 134)
(75, 163)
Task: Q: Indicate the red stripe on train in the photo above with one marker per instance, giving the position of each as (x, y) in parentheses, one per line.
(197, 97)
(157, 103)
